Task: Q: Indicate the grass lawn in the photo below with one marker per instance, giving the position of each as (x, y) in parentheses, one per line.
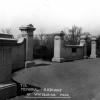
(80, 79)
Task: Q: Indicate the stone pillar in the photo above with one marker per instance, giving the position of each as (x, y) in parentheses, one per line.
(58, 42)
(93, 47)
(28, 30)
(83, 43)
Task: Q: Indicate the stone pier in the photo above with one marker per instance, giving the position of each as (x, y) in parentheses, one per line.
(58, 41)
(28, 31)
(83, 43)
(93, 47)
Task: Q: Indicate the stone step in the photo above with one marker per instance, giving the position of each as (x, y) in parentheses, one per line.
(8, 90)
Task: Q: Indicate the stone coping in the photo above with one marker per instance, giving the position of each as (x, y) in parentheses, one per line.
(5, 85)
(73, 45)
(6, 35)
(11, 42)
(7, 42)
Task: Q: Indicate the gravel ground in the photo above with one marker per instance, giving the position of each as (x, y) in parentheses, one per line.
(80, 79)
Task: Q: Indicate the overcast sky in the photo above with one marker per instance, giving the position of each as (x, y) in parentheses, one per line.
(51, 15)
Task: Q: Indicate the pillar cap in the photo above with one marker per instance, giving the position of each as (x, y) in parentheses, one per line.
(27, 27)
(93, 38)
(83, 37)
(59, 34)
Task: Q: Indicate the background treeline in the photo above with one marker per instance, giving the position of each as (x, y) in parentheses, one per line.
(44, 43)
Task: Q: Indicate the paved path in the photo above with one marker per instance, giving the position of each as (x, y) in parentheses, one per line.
(80, 78)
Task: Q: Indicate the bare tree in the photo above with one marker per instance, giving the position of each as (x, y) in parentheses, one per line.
(6, 30)
(73, 37)
(3, 31)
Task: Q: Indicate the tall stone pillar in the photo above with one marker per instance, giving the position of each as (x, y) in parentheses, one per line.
(93, 47)
(58, 42)
(28, 30)
(83, 43)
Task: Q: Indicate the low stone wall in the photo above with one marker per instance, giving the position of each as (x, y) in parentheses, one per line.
(8, 88)
(72, 52)
(19, 54)
(6, 46)
(18, 51)
(98, 51)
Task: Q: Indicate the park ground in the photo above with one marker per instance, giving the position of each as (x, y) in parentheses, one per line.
(80, 78)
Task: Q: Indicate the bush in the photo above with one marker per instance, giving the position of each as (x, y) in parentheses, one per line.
(42, 52)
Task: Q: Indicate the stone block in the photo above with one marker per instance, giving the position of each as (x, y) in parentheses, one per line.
(58, 60)
(29, 64)
(8, 90)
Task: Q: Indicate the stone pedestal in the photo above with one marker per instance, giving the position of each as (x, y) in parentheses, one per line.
(58, 40)
(93, 47)
(28, 31)
(83, 43)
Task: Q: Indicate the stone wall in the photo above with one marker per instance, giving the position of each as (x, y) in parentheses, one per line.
(19, 54)
(6, 46)
(13, 55)
(72, 52)
(8, 88)
(22, 50)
